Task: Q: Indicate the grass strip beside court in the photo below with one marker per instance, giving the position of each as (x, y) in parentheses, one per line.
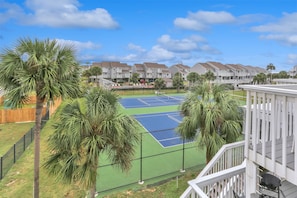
(10, 133)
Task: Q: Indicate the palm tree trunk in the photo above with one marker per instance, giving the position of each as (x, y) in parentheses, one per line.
(93, 188)
(39, 106)
(93, 191)
(208, 156)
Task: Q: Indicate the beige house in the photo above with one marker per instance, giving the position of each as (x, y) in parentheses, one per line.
(235, 74)
(151, 71)
(184, 70)
(114, 71)
(228, 73)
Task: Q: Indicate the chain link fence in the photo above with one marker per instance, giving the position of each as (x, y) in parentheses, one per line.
(15, 152)
(152, 165)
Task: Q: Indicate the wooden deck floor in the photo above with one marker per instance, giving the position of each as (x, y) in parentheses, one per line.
(288, 189)
(278, 151)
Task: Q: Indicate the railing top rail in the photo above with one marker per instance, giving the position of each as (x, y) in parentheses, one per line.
(221, 175)
(198, 183)
(282, 89)
(218, 155)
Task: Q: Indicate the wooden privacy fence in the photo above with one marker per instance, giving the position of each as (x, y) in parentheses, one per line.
(25, 114)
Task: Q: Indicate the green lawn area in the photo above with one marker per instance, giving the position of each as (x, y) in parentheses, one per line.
(10, 133)
(19, 180)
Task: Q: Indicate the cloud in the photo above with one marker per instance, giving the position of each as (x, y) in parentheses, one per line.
(201, 20)
(167, 50)
(284, 30)
(79, 46)
(66, 13)
(185, 45)
(158, 53)
(9, 11)
(283, 38)
(253, 18)
(287, 24)
(292, 59)
(136, 48)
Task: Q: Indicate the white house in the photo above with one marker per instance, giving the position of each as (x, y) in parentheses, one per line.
(265, 163)
(114, 71)
(184, 70)
(228, 73)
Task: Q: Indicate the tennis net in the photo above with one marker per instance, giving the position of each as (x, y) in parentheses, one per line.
(170, 98)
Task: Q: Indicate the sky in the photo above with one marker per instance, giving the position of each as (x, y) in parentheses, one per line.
(247, 32)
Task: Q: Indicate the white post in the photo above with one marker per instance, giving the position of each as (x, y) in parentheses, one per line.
(251, 178)
(247, 123)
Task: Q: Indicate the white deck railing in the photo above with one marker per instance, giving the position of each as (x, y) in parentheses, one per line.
(223, 174)
(271, 129)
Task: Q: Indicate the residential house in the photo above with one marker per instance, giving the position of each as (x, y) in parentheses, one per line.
(265, 163)
(155, 70)
(228, 73)
(202, 68)
(151, 71)
(241, 74)
(139, 69)
(114, 71)
(183, 70)
(293, 72)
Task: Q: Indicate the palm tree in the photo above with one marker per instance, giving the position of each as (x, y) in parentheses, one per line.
(269, 68)
(209, 76)
(159, 84)
(93, 71)
(178, 81)
(260, 78)
(85, 129)
(135, 78)
(194, 77)
(41, 67)
(211, 117)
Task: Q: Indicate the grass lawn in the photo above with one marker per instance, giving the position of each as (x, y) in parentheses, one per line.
(169, 189)
(10, 133)
(19, 180)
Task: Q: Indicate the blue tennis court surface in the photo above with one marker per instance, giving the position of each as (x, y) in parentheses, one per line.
(151, 101)
(162, 127)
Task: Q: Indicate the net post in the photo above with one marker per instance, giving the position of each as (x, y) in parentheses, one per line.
(24, 142)
(1, 168)
(32, 134)
(14, 160)
(183, 161)
(140, 162)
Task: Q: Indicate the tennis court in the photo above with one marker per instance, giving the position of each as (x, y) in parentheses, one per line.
(162, 127)
(151, 101)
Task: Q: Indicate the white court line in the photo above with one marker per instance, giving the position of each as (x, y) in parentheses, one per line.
(169, 139)
(155, 115)
(164, 101)
(173, 118)
(143, 101)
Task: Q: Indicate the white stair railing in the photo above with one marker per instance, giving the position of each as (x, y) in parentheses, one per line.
(230, 155)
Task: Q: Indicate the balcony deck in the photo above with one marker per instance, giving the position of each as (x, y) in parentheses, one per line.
(290, 162)
(288, 190)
